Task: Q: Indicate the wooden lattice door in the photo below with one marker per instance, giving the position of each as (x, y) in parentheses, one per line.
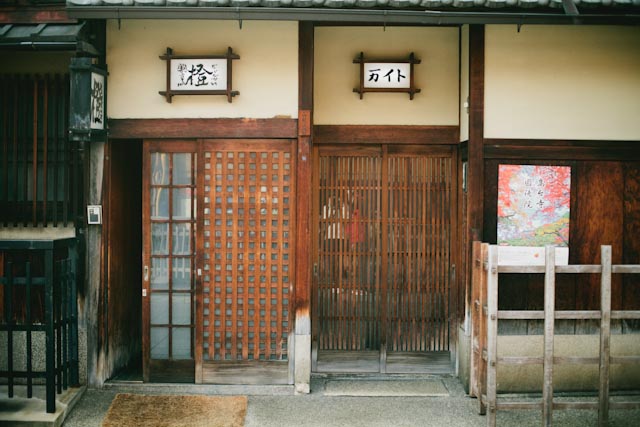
(247, 215)
(383, 221)
(218, 239)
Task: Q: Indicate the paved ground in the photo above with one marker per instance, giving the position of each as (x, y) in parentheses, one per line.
(316, 409)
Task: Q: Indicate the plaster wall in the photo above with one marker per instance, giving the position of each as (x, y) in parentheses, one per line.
(562, 82)
(528, 378)
(335, 76)
(266, 73)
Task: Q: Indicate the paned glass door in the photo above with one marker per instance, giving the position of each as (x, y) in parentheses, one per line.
(169, 207)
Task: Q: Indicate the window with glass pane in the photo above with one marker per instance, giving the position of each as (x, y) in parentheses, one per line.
(172, 213)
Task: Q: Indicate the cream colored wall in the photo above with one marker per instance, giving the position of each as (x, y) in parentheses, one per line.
(34, 62)
(464, 83)
(335, 76)
(266, 73)
(554, 82)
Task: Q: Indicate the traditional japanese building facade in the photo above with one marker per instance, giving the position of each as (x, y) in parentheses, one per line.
(304, 225)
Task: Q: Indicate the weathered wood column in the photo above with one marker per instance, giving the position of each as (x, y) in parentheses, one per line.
(302, 369)
(475, 206)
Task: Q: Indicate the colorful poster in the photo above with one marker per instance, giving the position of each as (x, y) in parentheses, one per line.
(533, 205)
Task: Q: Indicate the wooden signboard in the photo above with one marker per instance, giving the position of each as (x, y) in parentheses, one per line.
(386, 75)
(199, 75)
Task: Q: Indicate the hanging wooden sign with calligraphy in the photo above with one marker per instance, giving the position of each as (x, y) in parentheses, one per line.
(199, 75)
(386, 75)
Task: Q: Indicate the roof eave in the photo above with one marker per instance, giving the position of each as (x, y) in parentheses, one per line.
(388, 17)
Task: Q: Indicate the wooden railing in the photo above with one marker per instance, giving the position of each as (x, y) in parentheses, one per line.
(39, 299)
(485, 317)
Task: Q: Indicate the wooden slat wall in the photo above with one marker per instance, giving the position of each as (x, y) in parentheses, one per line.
(350, 252)
(631, 245)
(40, 174)
(248, 202)
(419, 252)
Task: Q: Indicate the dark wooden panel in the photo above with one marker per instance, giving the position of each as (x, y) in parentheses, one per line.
(202, 128)
(124, 240)
(171, 371)
(597, 221)
(372, 134)
(631, 282)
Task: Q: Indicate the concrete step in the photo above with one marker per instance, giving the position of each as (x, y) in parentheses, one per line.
(20, 411)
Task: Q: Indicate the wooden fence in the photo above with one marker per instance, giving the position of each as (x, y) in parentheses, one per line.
(485, 317)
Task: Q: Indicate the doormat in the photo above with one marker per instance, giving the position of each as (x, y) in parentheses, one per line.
(386, 388)
(129, 410)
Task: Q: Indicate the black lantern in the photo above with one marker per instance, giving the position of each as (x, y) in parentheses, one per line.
(87, 109)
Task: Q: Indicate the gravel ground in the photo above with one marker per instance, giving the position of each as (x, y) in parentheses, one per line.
(315, 409)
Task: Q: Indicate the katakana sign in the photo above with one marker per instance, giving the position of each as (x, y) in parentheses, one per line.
(386, 75)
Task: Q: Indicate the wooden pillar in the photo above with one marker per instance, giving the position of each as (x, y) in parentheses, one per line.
(304, 240)
(475, 176)
(475, 172)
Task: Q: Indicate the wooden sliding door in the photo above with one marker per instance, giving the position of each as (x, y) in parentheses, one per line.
(169, 255)
(383, 221)
(247, 259)
(218, 261)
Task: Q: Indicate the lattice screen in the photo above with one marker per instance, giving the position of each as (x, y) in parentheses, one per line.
(349, 252)
(248, 198)
(419, 253)
(384, 223)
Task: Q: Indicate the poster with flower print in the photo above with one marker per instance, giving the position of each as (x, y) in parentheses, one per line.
(534, 207)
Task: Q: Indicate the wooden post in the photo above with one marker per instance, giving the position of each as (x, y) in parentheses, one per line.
(303, 245)
(605, 336)
(549, 319)
(475, 176)
(476, 351)
(492, 333)
(482, 328)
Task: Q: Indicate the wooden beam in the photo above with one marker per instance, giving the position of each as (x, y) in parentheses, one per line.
(540, 149)
(373, 134)
(202, 128)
